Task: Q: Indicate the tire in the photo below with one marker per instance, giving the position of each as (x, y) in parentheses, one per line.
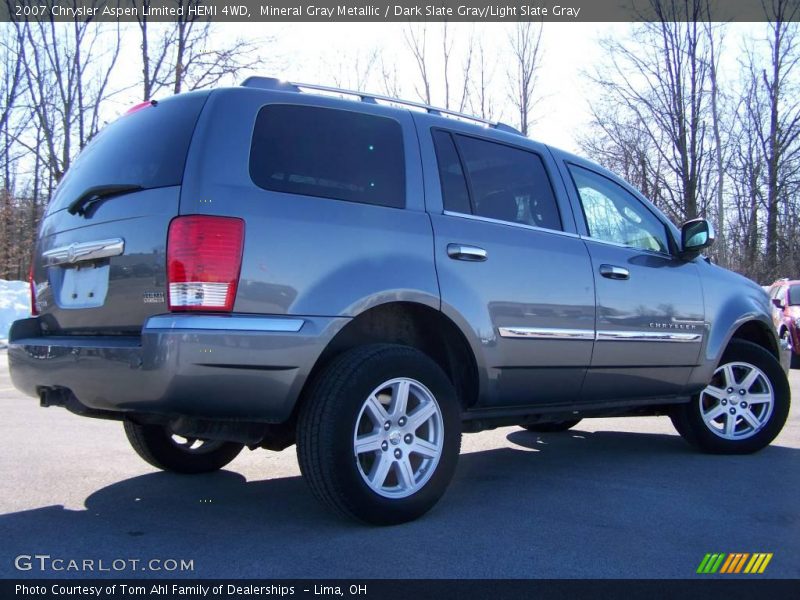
(160, 448)
(748, 381)
(552, 427)
(399, 473)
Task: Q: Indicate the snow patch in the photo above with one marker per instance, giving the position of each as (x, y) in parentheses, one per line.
(14, 304)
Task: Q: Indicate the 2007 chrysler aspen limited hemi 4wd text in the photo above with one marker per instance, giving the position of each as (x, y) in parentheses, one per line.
(262, 266)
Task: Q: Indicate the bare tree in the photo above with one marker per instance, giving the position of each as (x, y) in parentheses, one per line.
(526, 58)
(481, 100)
(67, 68)
(180, 56)
(660, 78)
(416, 41)
(774, 113)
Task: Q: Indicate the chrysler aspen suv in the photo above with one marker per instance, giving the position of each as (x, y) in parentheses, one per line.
(367, 278)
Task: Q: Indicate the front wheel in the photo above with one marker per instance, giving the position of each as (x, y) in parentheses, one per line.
(168, 452)
(744, 406)
(379, 434)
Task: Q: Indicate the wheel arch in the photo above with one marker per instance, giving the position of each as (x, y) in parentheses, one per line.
(411, 324)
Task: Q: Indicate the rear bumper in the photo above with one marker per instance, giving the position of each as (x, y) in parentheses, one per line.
(237, 367)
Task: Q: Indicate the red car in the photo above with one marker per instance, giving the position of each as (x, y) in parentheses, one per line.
(785, 296)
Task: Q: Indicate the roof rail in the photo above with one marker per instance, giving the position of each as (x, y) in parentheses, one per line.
(271, 83)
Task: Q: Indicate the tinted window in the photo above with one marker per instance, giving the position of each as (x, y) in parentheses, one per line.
(329, 153)
(451, 176)
(508, 184)
(146, 148)
(613, 214)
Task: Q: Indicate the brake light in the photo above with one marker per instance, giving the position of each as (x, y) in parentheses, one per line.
(204, 257)
(32, 286)
(140, 106)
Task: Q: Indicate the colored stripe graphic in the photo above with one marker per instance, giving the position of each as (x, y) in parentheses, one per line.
(711, 563)
(741, 562)
(728, 565)
(765, 563)
(735, 562)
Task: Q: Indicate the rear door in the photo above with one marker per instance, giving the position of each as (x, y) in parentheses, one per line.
(100, 265)
(650, 313)
(511, 268)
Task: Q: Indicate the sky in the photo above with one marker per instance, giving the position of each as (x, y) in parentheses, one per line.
(562, 109)
(321, 52)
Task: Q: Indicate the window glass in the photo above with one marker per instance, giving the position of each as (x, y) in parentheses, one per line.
(454, 187)
(329, 153)
(147, 148)
(794, 295)
(508, 184)
(615, 215)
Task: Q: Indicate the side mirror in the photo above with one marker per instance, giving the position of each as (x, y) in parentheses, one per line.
(696, 235)
(778, 303)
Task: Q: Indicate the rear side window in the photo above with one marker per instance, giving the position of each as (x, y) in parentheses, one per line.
(146, 148)
(329, 153)
(502, 183)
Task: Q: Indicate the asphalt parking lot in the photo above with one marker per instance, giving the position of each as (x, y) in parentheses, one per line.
(614, 498)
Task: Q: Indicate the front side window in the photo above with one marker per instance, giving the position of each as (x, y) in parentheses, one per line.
(329, 153)
(615, 215)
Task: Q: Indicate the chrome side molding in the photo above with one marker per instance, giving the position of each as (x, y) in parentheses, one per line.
(547, 333)
(83, 252)
(647, 336)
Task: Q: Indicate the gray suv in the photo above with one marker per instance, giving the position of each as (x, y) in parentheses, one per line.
(262, 266)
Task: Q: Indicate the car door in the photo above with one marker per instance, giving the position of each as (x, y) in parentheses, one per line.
(511, 268)
(650, 314)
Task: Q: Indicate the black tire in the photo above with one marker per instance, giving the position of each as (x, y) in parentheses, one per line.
(334, 408)
(688, 418)
(552, 427)
(157, 447)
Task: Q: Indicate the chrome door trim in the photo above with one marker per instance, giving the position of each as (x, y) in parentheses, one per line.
(83, 251)
(225, 323)
(450, 213)
(546, 333)
(647, 336)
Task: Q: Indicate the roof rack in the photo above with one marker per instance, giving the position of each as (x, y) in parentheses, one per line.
(271, 83)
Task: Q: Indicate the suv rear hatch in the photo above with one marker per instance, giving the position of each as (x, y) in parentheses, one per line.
(100, 263)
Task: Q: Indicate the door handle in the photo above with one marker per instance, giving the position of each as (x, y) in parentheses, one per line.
(464, 252)
(613, 272)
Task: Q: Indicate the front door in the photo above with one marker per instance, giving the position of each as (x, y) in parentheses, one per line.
(650, 315)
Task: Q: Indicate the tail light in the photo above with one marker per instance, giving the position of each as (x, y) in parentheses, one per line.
(204, 257)
(32, 285)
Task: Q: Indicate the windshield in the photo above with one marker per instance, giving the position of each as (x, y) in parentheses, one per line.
(146, 148)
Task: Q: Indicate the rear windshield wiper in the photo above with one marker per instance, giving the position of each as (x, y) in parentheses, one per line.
(81, 204)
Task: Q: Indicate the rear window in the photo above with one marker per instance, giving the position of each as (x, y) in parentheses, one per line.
(146, 148)
(329, 153)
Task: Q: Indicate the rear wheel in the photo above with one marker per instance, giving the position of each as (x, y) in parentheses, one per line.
(169, 452)
(743, 408)
(379, 434)
(552, 427)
